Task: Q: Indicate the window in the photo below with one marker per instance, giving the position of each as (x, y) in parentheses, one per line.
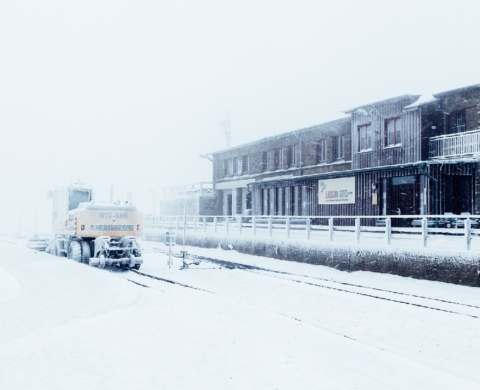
(264, 161)
(225, 168)
(291, 156)
(393, 132)
(457, 123)
(277, 158)
(364, 137)
(321, 150)
(339, 147)
(235, 166)
(244, 164)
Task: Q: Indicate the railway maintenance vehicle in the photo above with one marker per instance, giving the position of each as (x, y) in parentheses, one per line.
(96, 233)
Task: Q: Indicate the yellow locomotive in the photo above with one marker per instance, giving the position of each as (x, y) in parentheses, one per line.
(96, 233)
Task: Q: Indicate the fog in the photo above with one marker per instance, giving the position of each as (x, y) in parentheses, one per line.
(130, 93)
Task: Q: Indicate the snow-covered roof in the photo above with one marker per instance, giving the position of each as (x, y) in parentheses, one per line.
(424, 99)
(282, 135)
(393, 99)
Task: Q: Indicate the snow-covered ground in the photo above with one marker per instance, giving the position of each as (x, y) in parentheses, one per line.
(67, 325)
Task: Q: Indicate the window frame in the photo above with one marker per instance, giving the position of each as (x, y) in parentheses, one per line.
(321, 150)
(367, 139)
(397, 131)
(264, 161)
(455, 116)
(339, 147)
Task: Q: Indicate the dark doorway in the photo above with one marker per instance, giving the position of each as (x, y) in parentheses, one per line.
(402, 199)
(457, 194)
(229, 204)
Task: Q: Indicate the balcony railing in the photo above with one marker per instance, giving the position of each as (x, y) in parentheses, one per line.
(455, 145)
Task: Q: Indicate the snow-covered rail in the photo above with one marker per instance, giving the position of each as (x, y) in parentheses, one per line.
(398, 297)
(405, 230)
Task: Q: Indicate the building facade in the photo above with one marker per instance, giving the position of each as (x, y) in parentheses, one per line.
(406, 155)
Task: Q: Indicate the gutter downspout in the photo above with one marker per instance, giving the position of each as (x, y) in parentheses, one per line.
(435, 182)
(300, 169)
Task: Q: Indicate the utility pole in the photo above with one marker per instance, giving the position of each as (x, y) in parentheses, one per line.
(226, 130)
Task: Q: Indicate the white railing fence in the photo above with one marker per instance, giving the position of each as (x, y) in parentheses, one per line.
(411, 231)
(455, 145)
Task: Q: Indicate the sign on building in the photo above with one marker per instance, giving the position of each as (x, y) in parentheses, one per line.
(336, 191)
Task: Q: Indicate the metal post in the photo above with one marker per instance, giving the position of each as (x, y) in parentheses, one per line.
(308, 228)
(254, 226)
(357, 230)
(214, 224)
(270, 226)
(468, 233)
(170, 246)
(424, 231)
(330, 228)
(227, 224)
(288, 227)
(388, 230)
(204, 224)
(239, 220)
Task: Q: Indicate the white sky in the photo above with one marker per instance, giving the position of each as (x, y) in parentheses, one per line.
(129, 93)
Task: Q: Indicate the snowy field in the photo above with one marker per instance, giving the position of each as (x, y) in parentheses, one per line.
(66, 325)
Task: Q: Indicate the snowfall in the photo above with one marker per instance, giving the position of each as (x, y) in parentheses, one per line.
(66, 325)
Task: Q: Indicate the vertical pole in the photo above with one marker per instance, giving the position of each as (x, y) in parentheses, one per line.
(357, 230)
(468, 233)
(330, 229)
(239, 220)
(288, 227)
(424, 231)
(388, 230)
(270, 226)
(227, 224)
(214, 224)
(170, 246)
(204, 224)
(184, 221)
(254, 226)
(308, 228)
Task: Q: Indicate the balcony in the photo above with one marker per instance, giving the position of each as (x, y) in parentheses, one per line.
(455, 145)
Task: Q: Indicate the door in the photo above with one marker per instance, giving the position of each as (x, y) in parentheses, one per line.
(402, 199)
(457, 194)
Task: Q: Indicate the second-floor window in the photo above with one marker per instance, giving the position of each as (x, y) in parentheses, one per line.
(235, 166)
(244, 164)
(277, 158)
(364, 137)
(264, 161)
(321, 150)
(225, 168)
(393, 132)
(291, 155)
(457, 122)
(339, 147)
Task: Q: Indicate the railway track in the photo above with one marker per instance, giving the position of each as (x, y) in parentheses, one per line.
(420, 301)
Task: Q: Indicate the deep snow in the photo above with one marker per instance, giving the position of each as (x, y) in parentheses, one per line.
(67, 325)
